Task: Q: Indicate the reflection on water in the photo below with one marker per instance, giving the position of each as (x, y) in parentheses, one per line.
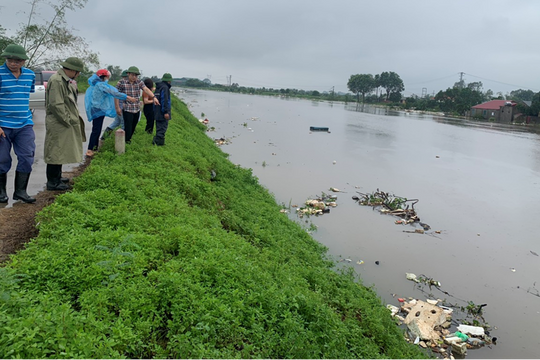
(478, 183)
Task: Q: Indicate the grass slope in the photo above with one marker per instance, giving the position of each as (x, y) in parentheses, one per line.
(148, 257)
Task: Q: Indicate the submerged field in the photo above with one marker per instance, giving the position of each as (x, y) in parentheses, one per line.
(152, 256)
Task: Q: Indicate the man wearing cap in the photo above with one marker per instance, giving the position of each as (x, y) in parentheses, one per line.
(64, 126)
(131, 112)
(16, 126)
(118, 120)
(162, 112)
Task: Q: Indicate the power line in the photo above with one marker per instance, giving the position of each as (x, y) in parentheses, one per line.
(499, 82)
(428, 81)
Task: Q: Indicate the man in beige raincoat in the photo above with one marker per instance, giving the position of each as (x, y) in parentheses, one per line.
(64, 126)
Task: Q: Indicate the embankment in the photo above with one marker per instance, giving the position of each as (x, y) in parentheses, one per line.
(150, 256)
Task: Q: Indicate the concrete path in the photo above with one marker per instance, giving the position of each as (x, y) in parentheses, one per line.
(38, 177)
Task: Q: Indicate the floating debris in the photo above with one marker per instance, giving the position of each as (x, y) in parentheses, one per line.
(221, 141)
(318, 206)
(391, 204)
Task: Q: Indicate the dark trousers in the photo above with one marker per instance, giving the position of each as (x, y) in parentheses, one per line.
(97, 124)
(161, 129)
(148, 110)
(23, 141)
(130, 123)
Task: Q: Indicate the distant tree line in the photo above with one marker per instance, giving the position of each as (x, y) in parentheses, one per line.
(366, 84)
(459, 99)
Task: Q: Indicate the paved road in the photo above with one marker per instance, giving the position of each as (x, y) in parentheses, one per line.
(38, 177)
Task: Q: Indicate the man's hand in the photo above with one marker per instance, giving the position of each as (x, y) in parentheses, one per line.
(167, 116)
(118, 111)
(131, 99)
(2, 134)
(156, 101)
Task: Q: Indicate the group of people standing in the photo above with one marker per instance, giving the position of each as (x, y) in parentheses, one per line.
(64, 127)
(122, 103)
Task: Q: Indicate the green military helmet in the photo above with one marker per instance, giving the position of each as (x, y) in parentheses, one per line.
(73, 63)
(166, 77)
(133, 70)
(14, 51)
(124, 73)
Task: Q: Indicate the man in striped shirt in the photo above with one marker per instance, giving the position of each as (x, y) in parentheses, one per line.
(16, 126)
(131, 112)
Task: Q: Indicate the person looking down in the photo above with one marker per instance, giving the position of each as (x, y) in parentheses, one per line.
(99, 103)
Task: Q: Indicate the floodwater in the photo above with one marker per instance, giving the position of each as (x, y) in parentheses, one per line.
(479, 184)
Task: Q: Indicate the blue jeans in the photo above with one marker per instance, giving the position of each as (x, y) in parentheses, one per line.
(23, 141)
(118, 121)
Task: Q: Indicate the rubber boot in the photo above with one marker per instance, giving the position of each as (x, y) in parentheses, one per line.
(3, 194)
(21, 183)
(54, 174)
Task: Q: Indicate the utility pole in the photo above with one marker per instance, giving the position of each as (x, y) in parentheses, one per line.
(424, 92)
(461, 82)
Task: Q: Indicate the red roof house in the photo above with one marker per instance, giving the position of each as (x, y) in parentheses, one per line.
(495, 110)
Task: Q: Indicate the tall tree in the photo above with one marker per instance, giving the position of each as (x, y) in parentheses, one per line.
(361, 84)
(523, 95)
(476, 86)
(391, 82)
(49, 42)
(4, 40)
(377, 78)
(116, 72)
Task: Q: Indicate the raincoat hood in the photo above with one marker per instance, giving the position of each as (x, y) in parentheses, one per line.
(99, 98)
(93, 80)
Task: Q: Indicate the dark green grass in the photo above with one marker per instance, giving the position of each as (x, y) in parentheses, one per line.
(148, 257)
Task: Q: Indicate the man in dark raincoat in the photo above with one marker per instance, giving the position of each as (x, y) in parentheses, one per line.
(162, 112)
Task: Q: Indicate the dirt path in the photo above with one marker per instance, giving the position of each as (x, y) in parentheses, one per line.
(17, 223)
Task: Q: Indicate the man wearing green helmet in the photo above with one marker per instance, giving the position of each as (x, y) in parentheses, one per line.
(132, 111)
(162, 113)
(64, 127)
(16, 125)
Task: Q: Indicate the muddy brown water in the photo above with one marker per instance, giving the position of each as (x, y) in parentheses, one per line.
(478, 183)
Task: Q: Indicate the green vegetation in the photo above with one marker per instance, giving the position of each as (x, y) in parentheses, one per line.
(47, 38)
(149, 257)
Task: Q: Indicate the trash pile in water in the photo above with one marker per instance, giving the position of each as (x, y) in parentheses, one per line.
(221, 141)
(398, 206)
(318, 206)
(429, 322)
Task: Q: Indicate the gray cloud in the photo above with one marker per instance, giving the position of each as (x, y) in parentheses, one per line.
(316, 44)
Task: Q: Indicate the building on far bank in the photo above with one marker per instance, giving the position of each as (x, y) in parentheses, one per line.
(496, 110)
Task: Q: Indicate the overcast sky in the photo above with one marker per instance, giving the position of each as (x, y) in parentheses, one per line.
(313, 44)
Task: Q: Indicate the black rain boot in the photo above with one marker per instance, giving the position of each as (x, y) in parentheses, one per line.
(21, 183)
(54, 174)
(3, 194)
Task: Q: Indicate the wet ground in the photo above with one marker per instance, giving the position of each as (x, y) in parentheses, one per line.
(477, 183)
(38, 177)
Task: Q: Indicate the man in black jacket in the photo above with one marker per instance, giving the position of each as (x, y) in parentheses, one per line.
(162, 112)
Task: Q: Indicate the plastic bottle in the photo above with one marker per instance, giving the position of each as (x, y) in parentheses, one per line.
(475, 342)
(461, 335)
